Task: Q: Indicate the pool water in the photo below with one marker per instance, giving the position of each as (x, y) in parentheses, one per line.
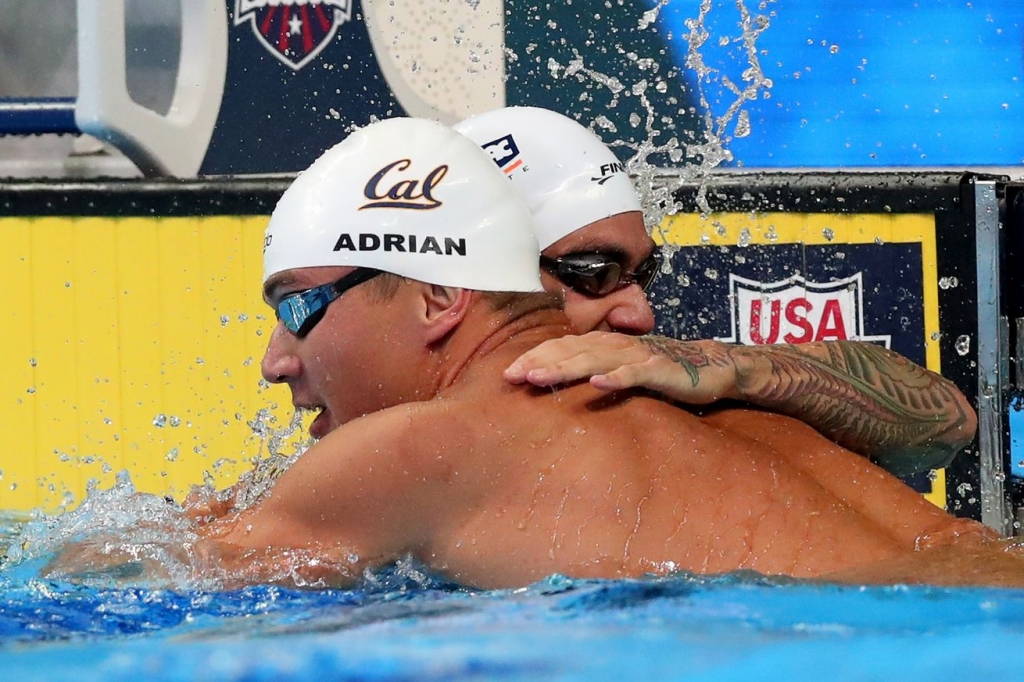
(402, 624)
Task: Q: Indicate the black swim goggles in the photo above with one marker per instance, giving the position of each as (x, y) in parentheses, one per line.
(599, 274)
(302, 310)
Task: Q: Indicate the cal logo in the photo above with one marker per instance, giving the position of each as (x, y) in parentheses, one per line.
(796, 310)
(390, 187)
(505, 153)
(294, 31)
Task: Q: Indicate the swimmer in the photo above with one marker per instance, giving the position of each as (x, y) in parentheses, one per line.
(425, 450)
(597, 253)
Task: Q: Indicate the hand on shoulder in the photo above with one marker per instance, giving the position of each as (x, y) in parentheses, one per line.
(571, 358)
(693, 372)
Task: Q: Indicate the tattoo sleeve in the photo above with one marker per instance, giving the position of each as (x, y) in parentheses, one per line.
(862, 396)
(685, 354)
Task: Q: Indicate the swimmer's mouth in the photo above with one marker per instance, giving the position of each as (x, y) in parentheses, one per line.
(321, 426)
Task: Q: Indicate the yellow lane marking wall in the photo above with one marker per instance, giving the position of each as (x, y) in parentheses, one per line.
(130, 343)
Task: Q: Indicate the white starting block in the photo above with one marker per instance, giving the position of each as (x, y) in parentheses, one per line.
(172, 144)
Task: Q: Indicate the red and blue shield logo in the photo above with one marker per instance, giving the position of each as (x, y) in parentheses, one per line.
(294, 31)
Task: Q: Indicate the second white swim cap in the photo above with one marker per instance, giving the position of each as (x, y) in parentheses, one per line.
(411, 197)
(566, 174)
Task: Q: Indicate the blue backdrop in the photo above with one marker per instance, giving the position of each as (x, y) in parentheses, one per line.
(870, 82)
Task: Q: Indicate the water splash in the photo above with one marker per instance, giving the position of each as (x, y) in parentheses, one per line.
(152, 536)
(694, 156)
(278, 450)
(146, 530)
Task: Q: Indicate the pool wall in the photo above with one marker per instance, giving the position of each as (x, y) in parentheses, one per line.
(136, 329)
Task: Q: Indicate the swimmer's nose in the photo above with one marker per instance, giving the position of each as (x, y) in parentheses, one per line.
(631, 312)
(279, 364)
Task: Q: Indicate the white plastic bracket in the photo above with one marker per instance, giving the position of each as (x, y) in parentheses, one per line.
(173, 144)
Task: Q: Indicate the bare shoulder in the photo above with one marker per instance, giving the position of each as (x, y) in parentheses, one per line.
(386, 455)
(370, 486)
(400, 438)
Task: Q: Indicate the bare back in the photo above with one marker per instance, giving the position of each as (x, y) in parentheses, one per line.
(580, 483)
(499, 485)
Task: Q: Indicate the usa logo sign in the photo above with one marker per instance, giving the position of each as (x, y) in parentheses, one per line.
(294, 31)
(795, 310)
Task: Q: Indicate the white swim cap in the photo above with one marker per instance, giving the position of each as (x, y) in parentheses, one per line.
(411, 197)
(567, 175)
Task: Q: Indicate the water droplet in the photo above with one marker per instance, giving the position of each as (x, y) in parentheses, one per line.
(160, 421)
(828, 233)
(963, 344)
(742, 128)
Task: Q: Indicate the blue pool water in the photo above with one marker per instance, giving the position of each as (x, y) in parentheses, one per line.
(403, 625)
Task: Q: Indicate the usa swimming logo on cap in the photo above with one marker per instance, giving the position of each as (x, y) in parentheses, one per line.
(505, 153)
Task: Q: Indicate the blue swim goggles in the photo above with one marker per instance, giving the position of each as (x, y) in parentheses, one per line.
(302, 310)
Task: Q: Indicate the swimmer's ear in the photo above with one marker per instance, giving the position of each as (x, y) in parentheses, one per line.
(445, 308)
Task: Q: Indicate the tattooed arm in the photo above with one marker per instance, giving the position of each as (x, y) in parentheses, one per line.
(862, 396)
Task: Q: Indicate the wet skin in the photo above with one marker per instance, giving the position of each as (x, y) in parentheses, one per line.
(322, 369)
(497, 485)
